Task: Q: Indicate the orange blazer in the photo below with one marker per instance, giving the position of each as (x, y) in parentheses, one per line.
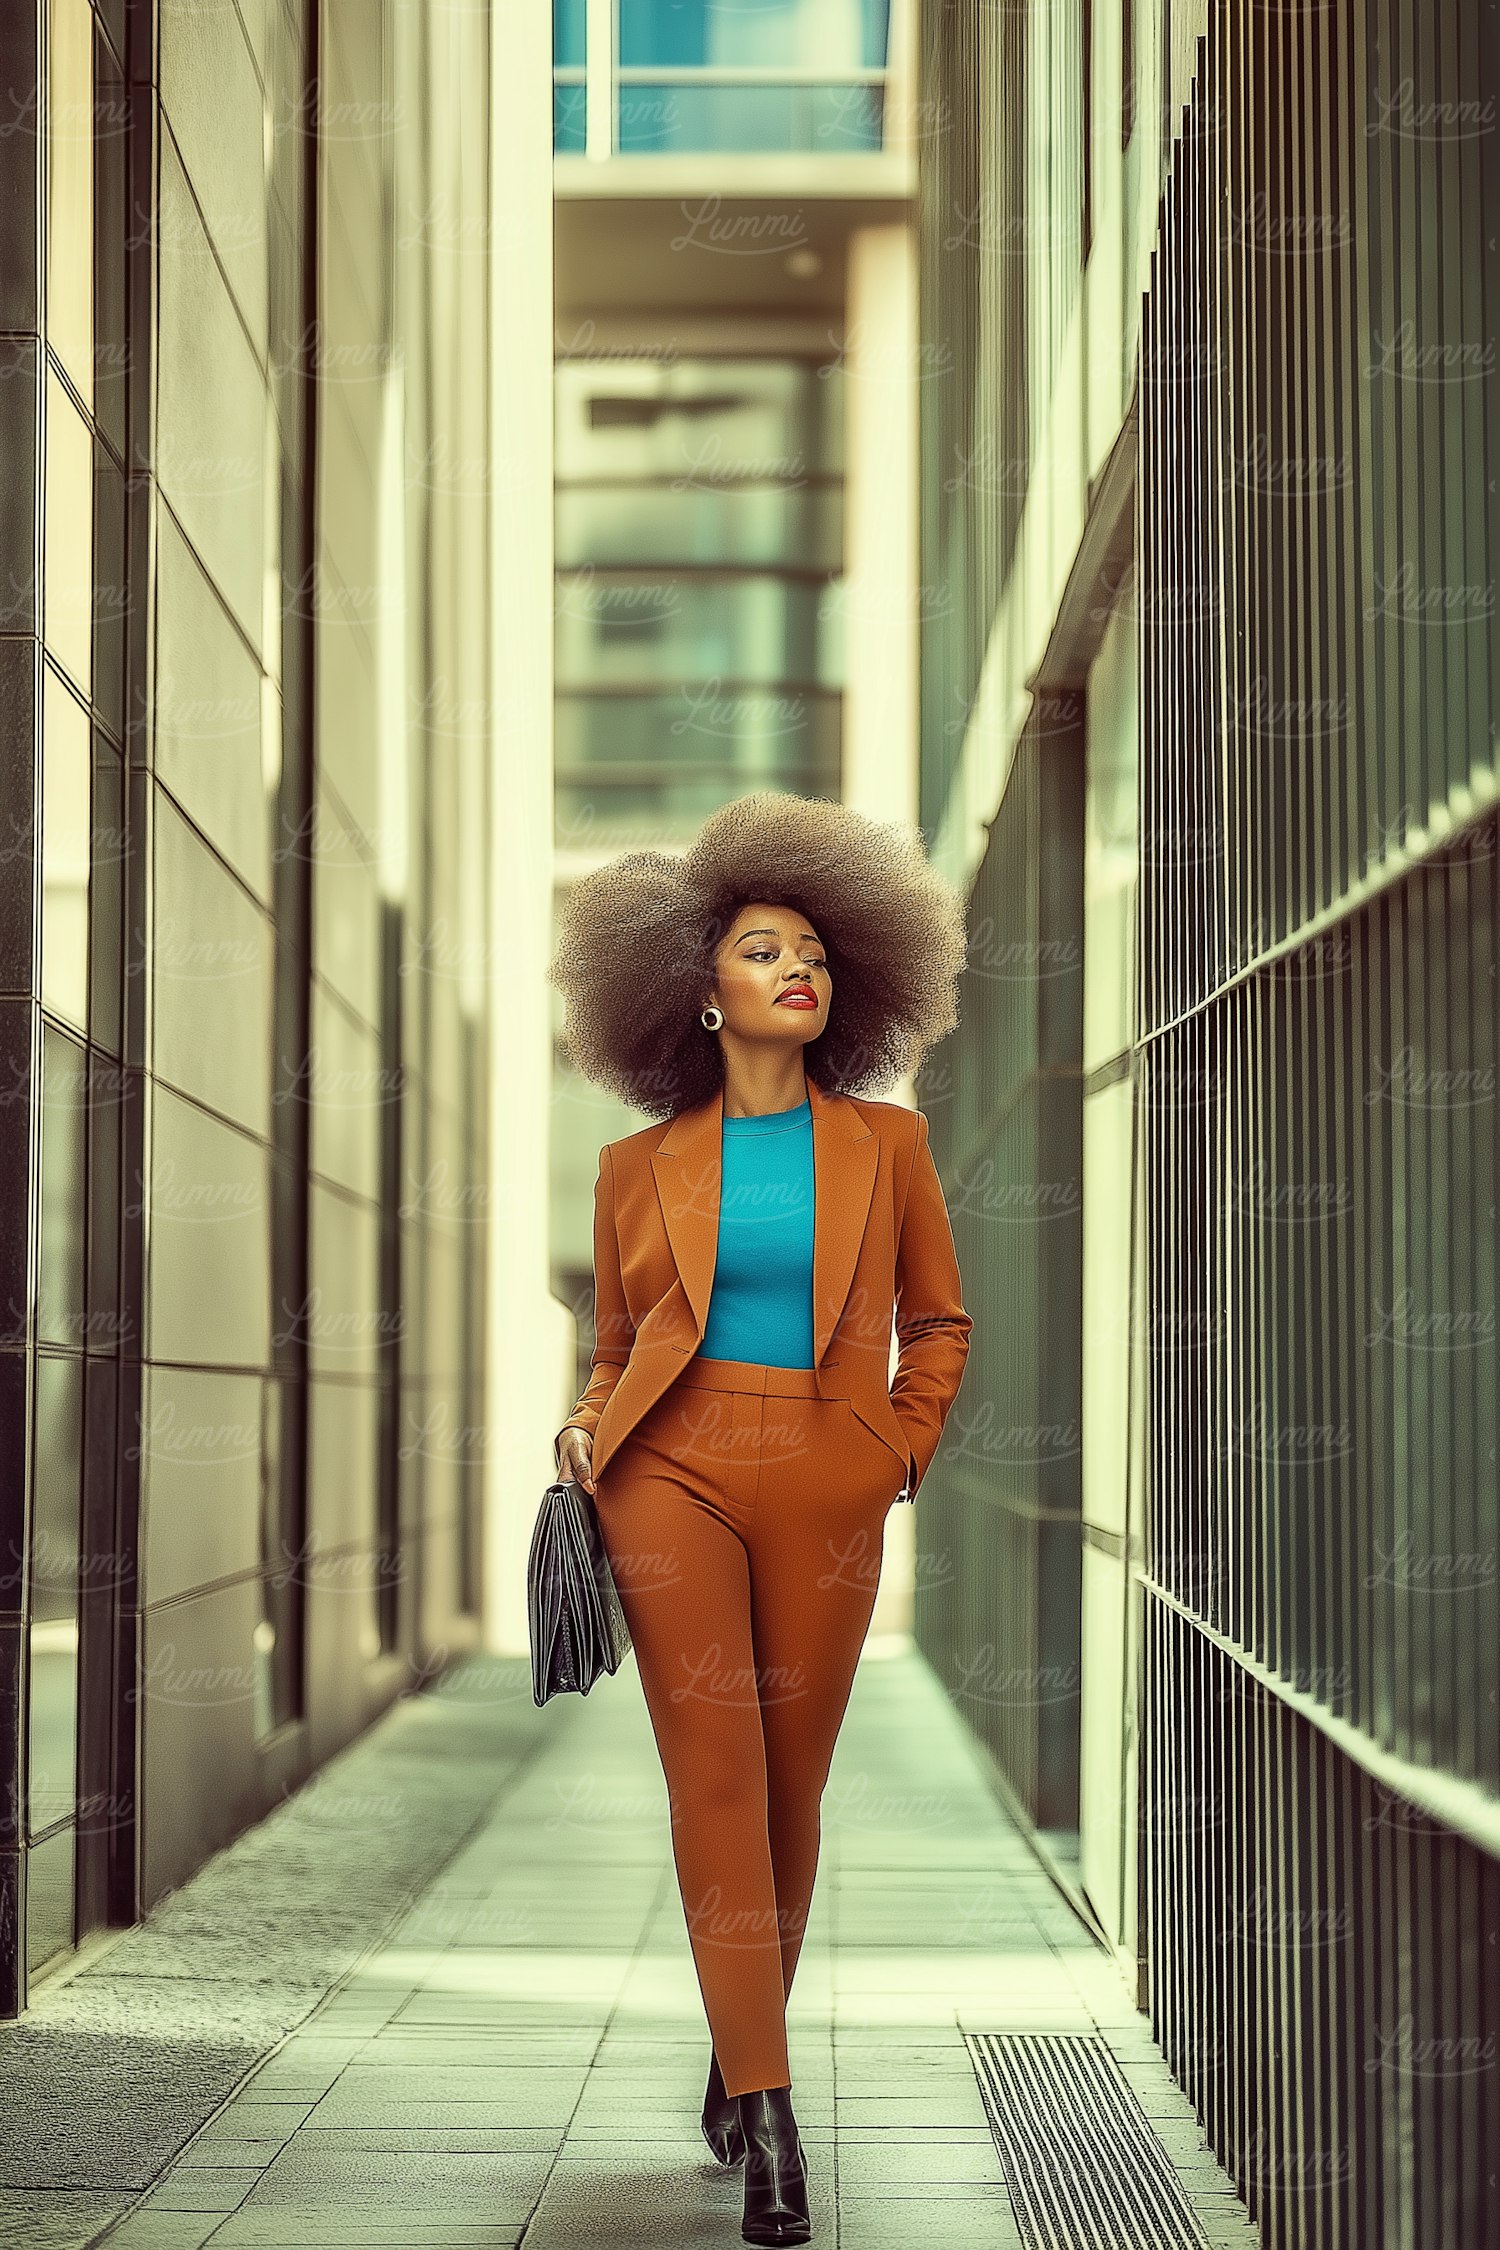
(882, 1255)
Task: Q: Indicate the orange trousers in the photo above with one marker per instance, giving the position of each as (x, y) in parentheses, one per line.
(744, 1520)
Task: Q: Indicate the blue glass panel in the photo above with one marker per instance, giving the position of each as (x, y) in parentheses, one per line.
(746, 120)
(829, 35)
(568, 120)
(567, 32)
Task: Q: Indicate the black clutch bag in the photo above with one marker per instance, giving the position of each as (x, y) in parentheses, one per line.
(578, 1628)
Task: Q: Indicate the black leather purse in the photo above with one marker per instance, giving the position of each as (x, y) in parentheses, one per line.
(578, 1628)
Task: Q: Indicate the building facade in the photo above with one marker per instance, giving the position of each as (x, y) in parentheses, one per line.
(1209, 726)
(245, 656)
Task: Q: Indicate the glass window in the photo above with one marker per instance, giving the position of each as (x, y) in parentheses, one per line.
(596, 810)
(697, 524)
(66, 760)
(110, 592)
(274, 1636)
(751, 734)
(70, 190)
(106, 1097)
(614, 629)
(68, 538)
(745, 120)
(64, 1189)
(212, 976)
(569, 120)
(701, 424)
(732, 75)
(208, 737)
(112, 231)
(57, 1473)
(829, 35)
(684, 677)
(209, 1289)
(107, 893)
(568, 26)
(638, 765)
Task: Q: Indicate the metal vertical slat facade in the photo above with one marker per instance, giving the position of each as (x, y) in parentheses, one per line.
(1318, 941)
(1318, 937)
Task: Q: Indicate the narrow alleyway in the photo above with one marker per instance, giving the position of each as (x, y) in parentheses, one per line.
(444, 1997)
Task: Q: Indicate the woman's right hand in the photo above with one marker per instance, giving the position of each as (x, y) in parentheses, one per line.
(575, 1457)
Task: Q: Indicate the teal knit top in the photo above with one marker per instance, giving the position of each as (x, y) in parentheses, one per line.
(760, 1308)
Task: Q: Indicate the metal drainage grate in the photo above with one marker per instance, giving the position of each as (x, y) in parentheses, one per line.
(1084, 2169)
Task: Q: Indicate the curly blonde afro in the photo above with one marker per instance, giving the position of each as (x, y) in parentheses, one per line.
(635, 954)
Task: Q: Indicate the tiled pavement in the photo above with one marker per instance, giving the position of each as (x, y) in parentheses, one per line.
(518, 2053)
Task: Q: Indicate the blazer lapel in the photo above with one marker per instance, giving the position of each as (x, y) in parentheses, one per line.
(688, 1171)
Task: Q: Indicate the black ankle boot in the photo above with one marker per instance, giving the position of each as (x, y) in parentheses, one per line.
(721, 2118)
(775, 2174)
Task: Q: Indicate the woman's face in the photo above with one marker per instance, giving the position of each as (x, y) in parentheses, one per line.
(765, 967)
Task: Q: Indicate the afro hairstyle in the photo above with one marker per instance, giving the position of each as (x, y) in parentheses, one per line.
(636, 949)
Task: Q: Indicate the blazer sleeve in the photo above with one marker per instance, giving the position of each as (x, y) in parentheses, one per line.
(932, 1327)
(614, 1332)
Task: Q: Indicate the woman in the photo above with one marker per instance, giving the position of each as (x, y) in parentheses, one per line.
(740, 1431)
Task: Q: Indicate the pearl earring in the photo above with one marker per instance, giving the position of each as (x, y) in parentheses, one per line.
(712, 1017)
